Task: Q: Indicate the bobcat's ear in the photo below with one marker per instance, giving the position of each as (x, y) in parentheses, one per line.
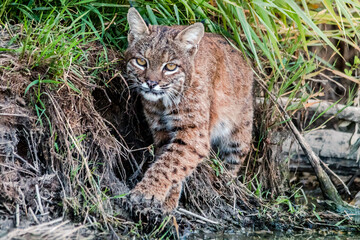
(191, 36)
(137, 25)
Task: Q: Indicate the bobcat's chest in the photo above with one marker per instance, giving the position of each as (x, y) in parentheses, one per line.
(162, 121)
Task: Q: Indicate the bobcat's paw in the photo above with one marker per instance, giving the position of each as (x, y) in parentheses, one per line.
(144, 208)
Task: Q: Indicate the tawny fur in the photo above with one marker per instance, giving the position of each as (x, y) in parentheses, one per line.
(206, 103)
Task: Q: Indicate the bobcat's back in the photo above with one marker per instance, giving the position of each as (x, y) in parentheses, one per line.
(229, 79)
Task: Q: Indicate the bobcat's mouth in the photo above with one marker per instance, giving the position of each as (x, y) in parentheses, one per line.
(152, 94)
(165, 92)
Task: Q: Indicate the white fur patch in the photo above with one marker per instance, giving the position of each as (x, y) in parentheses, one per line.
(168, 102)
(172, 72)
(157, 88)
(145, 86)
(220, 131)
(151, 97)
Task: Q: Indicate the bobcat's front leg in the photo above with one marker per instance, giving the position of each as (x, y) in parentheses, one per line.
(179, 158)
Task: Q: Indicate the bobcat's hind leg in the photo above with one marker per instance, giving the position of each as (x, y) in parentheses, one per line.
(235, 148)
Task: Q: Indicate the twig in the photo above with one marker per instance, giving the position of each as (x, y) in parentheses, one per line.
(17, 213)
(39, 199)
(20, 169)
(7, 208)
(112, 21)
(51, 222)
(352, 179)
(199, 221)
(34, 150)
(14, 115)
(33, 215)
(336, 176)
(181, 210)
(113, 232)
(58, 226)
(26, 162)
(176, 227)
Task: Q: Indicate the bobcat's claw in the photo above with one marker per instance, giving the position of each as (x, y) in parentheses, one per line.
(142, 208)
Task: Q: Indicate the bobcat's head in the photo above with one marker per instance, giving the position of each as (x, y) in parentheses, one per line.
(160, 59)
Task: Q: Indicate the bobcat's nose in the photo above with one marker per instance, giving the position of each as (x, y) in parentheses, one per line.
(151, 84)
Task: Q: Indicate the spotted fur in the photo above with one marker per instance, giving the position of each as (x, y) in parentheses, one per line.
(206, 101)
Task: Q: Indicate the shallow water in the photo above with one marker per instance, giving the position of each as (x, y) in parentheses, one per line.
(277, 235)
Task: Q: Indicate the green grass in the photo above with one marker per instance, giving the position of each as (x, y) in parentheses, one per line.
(276, 36)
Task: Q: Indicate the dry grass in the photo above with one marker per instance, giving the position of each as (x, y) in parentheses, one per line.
(57, 229)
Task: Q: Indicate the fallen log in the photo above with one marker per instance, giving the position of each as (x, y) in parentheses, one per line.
(332, 146)
(342, 112)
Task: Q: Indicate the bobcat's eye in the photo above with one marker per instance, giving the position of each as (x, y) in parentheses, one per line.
(141, 62)
(170, 67)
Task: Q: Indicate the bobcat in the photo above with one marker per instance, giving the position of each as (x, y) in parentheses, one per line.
(196, 93)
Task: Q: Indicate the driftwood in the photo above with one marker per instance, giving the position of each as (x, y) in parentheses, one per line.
(330, 109)
(332, 146)
(327, 187)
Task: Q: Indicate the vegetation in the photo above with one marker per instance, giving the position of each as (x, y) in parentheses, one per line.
(72, 48)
